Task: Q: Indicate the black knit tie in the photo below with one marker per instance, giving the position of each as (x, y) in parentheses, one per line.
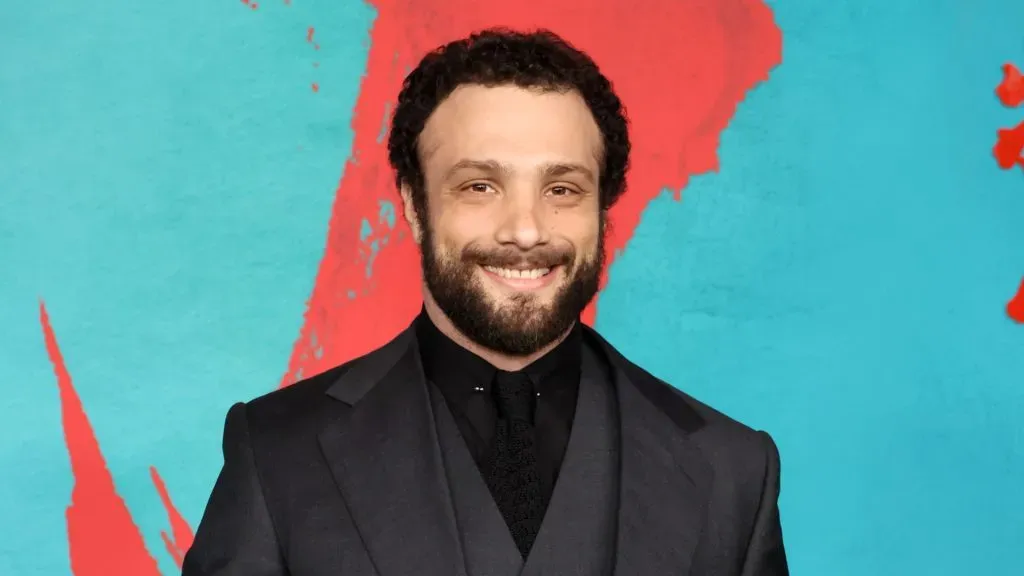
(512, 475)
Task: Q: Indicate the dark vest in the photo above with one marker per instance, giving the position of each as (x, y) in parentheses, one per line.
(578, 534)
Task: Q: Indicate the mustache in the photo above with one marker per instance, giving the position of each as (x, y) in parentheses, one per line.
(546, 257)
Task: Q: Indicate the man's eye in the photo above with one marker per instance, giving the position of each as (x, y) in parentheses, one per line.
(480, 188)
(561, 191)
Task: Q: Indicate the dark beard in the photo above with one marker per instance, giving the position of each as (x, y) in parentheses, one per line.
(522, 326)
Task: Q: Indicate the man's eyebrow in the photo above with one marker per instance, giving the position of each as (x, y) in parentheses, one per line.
(488, 166)
(551, 170)
(562, 168)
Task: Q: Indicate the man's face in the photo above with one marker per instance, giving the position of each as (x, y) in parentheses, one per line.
(512, 236)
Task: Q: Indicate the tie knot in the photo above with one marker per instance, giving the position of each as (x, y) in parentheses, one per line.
(513, 393)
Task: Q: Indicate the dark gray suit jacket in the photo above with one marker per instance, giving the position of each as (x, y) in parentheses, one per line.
(341, 474)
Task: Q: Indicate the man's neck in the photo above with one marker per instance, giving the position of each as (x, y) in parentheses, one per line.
(499, 360)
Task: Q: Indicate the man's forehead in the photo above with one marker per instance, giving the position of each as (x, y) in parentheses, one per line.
(508, 120)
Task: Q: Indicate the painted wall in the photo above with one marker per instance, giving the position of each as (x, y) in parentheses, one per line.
(195, 209)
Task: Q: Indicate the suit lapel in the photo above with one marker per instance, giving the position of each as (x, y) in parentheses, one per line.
(381, 445)
(664, 479)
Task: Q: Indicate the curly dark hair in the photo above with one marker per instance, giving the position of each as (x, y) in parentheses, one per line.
(499, 56)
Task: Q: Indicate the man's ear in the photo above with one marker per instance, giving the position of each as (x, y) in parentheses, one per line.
(409, 212)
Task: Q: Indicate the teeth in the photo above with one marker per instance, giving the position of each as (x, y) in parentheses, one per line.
(518, 274)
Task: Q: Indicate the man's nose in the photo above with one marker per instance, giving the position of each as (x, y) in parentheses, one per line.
(522, 221)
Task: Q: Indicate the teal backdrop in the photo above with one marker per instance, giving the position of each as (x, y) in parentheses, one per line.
(176, 180)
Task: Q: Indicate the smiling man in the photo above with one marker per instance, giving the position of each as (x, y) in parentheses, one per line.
(496, 435)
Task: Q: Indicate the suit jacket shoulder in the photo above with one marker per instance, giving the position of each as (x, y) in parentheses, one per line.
(301, 404)
(732, 474)
(290, 410)
(734, 449)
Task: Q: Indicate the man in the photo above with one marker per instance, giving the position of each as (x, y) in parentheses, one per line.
(496, 435)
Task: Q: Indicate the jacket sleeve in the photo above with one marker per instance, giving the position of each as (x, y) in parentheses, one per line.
(766, 555)
(235, 536)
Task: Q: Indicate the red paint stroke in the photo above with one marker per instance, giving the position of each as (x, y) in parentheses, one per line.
(1011, 90)
(102, 537)
(316, 87)
(1015, 307)
(1009, 152)
(1009, 148)
(181, 537)
(309, 34)
(681, 67)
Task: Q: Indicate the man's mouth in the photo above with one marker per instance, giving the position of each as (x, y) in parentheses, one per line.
(522, 278)
(518, 273)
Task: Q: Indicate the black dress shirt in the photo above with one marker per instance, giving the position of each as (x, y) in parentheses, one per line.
(465, 380)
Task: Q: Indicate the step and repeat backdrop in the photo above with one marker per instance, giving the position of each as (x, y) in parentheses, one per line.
(823, 237)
